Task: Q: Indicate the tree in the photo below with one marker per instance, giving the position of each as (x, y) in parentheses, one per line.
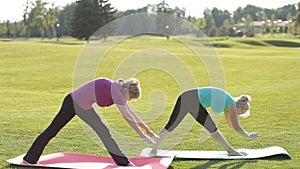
(120, 14)
(297, 21)
(3, 29)
(220, 16)
(224, 29)
(273, 26)
(249, 27)
(83, 23)
(164, 23)
(252, 11)
(38, 20)
(214, 21)
(106, 13)
(128, 25)
(232, 31)
(198, 22)
(266, 29)
(212, 32)
(241, 13)
(14, 29)
(52, 21)
(237, 15)
(26, 23)
(282, 13)
(89, 16)
(8, 29)
(65, 17)
(209, 20)
(37, 17)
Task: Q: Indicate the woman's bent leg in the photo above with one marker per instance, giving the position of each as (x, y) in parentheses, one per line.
(188, 102)
(177, 115)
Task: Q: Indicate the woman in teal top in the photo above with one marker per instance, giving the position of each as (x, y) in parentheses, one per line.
(215, 98)
(196, 101)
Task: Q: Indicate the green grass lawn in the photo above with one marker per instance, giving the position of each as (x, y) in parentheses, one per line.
(35, 76)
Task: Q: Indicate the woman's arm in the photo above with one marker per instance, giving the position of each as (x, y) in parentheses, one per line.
(232, 120)
(132, 122)
(141, 123)
(227, 117)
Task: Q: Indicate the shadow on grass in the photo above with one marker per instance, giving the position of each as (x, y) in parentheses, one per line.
(238, 164)
(49, 41)
(282, 43)
(218, 45)
(63, 42)
(252, 42)
(11, 166)
(6, 40)
(278, 157)
(221, 45)
(232, 164)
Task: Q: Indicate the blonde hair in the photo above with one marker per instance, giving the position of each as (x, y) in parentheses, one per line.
(132, 86)
(242, 102)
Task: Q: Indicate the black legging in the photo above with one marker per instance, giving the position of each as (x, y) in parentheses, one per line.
(68, 110)
(188, 102)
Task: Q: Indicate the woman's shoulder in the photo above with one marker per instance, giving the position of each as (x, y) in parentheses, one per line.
(104, 80)
(211, 88)
(205, 89)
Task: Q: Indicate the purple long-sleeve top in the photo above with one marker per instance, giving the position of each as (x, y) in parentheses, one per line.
(102, 91)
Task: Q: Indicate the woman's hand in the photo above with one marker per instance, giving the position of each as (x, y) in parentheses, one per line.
(253, 135)
(234, 153)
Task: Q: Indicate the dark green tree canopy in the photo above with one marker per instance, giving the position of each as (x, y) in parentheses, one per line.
(89, 16)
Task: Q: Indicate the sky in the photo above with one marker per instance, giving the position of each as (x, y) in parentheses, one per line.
(13, 9)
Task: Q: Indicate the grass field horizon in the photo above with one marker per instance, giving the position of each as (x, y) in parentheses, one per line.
(36, 75)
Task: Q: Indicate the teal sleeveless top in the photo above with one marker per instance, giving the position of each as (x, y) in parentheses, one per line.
(215, 98)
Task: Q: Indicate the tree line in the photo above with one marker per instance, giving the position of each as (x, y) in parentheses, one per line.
(82, 18)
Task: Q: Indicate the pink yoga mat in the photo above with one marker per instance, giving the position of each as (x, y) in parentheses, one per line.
(78, 161)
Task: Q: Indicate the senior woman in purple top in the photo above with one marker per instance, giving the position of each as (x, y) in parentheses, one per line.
(104, 92)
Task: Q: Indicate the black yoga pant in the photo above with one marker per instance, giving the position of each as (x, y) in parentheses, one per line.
(188, 102)
(68, 110)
